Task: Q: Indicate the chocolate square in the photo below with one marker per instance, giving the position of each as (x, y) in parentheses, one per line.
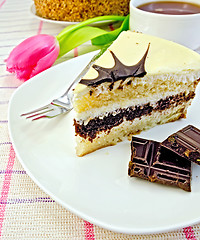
(185, 143)
(155, 163)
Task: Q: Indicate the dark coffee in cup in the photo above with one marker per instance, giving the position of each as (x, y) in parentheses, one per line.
(172, 8)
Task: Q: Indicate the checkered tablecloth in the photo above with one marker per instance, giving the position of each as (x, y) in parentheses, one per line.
(26, 212)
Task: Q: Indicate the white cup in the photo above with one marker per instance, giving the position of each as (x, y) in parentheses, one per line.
(183, 29)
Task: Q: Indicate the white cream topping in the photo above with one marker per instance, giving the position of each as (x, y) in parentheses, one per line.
(164, 57)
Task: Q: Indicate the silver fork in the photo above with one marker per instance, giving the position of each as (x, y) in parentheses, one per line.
(62, 104)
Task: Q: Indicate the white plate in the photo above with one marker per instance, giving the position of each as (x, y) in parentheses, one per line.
(96, 187)
(66, 23)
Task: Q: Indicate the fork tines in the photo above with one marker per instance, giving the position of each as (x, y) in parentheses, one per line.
(38, 112)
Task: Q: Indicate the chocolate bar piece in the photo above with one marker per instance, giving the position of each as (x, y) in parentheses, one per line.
(185, 143)
(151, 161)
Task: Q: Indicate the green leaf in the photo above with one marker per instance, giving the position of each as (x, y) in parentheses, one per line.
(75, 35)
(111, 36)
(78, 37)
(71, 28)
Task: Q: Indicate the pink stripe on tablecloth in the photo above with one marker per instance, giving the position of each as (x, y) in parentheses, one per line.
(76, 52)
(89, 231)
(189, 233)
(40, 27)
(6, 185)
(2, 3)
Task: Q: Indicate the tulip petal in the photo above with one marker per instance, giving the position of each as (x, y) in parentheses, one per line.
(45, 62)
(25, 57)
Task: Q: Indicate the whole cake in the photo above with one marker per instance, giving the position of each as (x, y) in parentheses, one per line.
(139, 82)
(80, 10)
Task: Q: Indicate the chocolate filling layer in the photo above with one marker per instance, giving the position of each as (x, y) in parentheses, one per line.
(97, 124)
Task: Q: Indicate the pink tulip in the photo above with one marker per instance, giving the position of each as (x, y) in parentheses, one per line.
(32, 56)
(38, 53)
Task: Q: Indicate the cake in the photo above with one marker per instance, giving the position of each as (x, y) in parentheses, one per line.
(139, 82)
(80, 10)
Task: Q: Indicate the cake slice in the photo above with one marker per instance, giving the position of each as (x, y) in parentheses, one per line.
(139, 82)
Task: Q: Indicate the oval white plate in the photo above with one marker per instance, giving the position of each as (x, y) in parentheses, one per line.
(66, 23)
(96, 187)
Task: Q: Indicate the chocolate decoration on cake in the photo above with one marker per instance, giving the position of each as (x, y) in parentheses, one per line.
(185, 143)
(152, 162)
(118, 72)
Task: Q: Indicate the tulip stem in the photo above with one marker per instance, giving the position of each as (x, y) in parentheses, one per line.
(88, 22)
(75, 35)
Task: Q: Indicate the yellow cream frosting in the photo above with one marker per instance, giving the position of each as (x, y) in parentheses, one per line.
(164, 57)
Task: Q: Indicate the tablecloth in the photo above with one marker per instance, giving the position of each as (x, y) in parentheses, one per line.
(26, 212)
